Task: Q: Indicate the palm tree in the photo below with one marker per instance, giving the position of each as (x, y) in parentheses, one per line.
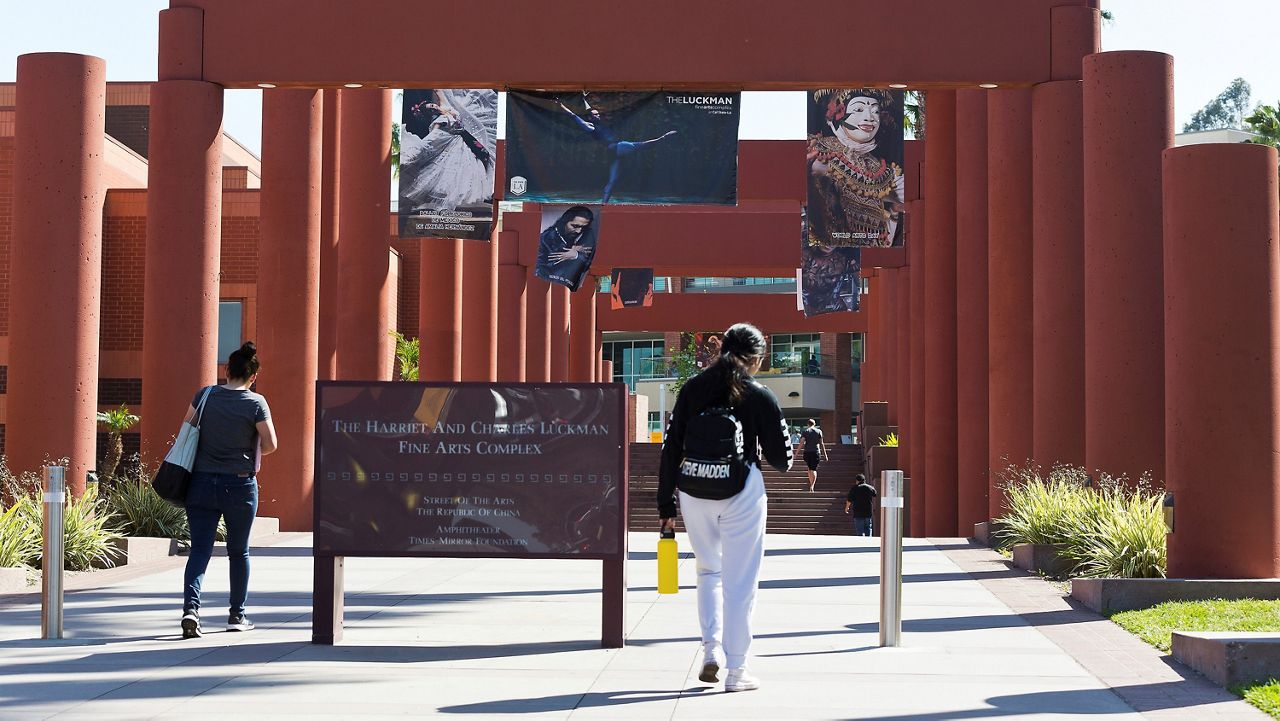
(116, 422)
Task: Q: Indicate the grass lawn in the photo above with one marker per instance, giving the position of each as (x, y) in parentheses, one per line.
(1156, 626)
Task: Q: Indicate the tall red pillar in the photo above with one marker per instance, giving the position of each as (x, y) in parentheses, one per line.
(512, 332)
(330, 181)
(55, 263)
(479, 330)
(582, 333)
(916, 218)
(1222, 360)
(1009, 246)
(872, 363)
(537, 328)
(972, 390)
(1057, 187)
(940, 315)
(440, 309)
(559, 332)
(902, 286)
(1128, 111)
(889, 375)
(289, 294)
(364, 335)
(180, 280)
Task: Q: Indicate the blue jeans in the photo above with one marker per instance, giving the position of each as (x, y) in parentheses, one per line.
(862, 526)
(212, 496)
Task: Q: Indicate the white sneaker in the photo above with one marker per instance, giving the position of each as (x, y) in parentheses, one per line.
(739, 680)
(711, 662)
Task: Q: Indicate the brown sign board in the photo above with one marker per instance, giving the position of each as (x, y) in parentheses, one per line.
(470, 469)
(479, 470)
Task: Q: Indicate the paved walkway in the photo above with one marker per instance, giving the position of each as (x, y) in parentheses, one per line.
(489, 639)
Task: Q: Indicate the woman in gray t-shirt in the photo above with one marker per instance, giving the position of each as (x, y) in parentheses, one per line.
(235, 425)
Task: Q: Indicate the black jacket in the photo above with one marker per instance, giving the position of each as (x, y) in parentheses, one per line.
(763, 428)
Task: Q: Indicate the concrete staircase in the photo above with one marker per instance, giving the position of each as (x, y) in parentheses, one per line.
(792, 508)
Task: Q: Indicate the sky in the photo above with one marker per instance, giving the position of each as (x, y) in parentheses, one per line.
(1212, 44)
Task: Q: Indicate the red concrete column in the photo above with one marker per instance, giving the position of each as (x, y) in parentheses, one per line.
(582, 334)
(872, 364)
(1009, 268)
(330, 174)
(606, 371)
(365, 347)
(972, 391)
(180, 298)
(55, 263)
(1128, 110)
(1057, 171)
(916, 259)
(289, 295)
(559, 332)
(940, 315)
(1075, 31)
(440, 309)
(902, 286)
(889, 374)
(479, 331)
(512, 331)
(537, 328)
(1222, 360)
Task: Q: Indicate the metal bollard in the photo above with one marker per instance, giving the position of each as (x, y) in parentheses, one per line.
(891, 558)
(55, 498)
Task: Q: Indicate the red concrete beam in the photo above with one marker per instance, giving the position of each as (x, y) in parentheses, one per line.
(750, 44)
(770, 312)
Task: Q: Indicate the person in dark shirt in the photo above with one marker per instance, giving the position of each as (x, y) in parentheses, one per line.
(860, 500)
(235, 426)
(598, 128)
(727, 534)
(565, 248)
(813, 448)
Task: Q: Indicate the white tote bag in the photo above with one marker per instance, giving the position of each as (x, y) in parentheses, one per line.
(183, 452)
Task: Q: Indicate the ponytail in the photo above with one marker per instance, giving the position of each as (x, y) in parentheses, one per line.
(742, 344)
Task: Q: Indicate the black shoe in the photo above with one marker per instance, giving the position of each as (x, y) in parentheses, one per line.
(191, 625)
(239, 622)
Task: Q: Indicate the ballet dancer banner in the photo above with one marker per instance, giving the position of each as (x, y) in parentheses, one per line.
(830, 276)
(448, 149)
(855, 147)
(567, 244)
(643, 148)
(630, 288)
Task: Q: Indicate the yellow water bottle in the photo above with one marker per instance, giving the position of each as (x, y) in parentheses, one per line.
(668, 562)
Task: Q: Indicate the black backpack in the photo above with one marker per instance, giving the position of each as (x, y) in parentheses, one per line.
(713, 464)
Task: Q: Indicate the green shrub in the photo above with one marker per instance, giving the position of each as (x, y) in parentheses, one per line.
(90, 530)
(140, 512)
(1041, 509)
(19, 540)
(1123, 535)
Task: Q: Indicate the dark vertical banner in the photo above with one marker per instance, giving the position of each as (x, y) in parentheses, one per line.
(656, 148)
(448, 152)
(567, 244)
(856, 189)
(829, 275)
(631, 287)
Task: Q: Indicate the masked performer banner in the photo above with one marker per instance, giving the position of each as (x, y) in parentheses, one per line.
(655, 148)
(448, 149)
(567, 243)
(631, 287)
(856, 188)
(829, 275)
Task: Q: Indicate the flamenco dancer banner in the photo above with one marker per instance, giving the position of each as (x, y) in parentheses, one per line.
(829, 276)
(650, 148)
(856, 188)
(567, 244)
(631, 287)
(448, 150)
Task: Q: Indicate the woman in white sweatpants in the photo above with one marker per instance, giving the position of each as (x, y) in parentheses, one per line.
(728, 544)
(725, 522)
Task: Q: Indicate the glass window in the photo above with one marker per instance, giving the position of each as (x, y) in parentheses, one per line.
(230, 328)
(796, 353)
(635, 360)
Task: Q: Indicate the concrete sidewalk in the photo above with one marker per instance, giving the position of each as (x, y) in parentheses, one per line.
(520, 639)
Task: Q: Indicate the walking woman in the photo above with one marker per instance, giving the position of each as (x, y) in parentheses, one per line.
(721, 493)
(235, 425)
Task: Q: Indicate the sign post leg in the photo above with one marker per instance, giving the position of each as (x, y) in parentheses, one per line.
(326, 600)
(613, 612)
